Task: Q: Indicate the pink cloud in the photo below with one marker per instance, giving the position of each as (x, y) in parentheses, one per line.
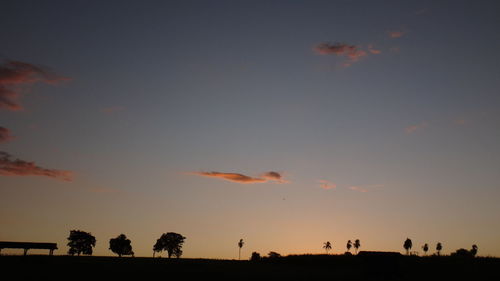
(372, 50)
(17, 167)
(274, 176)
(339, 49)
(244, 179)
(413, 128)
(14, 73)
(396, 34)
(5, 135)
(324, 184)
(351, 52)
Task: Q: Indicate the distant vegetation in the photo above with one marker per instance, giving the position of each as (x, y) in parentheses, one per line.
(327, 246)
(407, 245)
(170, 242)
(121, 245)
(466, 253)
(240, 245)
(80, 242)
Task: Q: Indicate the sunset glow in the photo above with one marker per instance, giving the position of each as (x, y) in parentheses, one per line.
(282, 123)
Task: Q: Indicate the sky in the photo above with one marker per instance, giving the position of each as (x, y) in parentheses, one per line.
(283, 123)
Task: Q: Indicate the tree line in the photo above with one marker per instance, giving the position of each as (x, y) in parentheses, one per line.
(81, 242)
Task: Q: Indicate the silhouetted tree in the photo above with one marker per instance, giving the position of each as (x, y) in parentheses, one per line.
(170, 242)
(80, 242)
(473, 251)
(177, 253)
(273, 255)
(357, 244)
(327, 246)
(407, 245)
(425, 247)
(240, 245)
(349, 245)
(255, 256)
(439, 247)
(121, 245)
(462, 253)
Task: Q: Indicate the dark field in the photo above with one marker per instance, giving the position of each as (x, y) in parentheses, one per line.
(307, 267)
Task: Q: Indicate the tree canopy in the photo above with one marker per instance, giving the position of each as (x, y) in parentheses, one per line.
(407, 245)
(121, 245)
(357, 244)
(170, 242)
(80, 242)
(327, 246)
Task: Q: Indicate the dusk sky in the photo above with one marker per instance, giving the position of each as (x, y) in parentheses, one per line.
(284, 123)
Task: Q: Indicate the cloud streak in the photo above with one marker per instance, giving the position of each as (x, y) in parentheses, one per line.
(17, 167)
(351, 52)
(417, 127)
(270, 176)
(15, 73)
(339, 49)
(396, 34)
(5, 135)
(324, 184)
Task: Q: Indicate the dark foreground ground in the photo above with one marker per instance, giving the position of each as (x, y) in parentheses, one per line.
(316, 267)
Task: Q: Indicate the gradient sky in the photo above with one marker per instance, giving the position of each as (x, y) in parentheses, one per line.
(285, 123)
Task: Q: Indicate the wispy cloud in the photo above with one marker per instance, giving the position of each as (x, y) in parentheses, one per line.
(417, 127)
(5, 135)
(351, 52)
(324, 184)
(112, 109)
(365, 188)
(13, 73)
(244, 179)
(396, 33)
(17, 167)
(339, 49)
(372, 50)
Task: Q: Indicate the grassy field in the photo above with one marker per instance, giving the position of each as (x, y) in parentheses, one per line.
(305, 267)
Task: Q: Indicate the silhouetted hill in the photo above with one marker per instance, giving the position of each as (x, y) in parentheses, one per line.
(295, 267)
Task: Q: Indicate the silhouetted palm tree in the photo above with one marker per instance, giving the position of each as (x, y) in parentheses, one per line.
(327, 246)
(425, 247)
(357, 244)
(473, 251)
(439, 247)
(349, 245)
(240, 245)
(407, 245)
